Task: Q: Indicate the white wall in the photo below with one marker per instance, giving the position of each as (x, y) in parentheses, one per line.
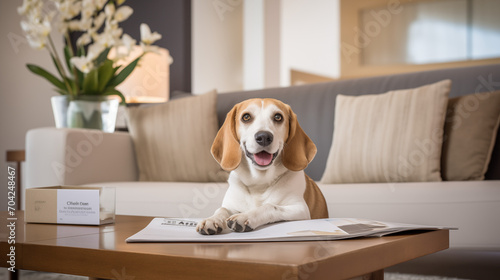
(261, 44)
(217, 50)
(24, 98)
(252, 44)
(272, 43)
(310, 37)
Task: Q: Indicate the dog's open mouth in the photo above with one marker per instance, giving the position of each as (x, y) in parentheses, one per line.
(262, 159)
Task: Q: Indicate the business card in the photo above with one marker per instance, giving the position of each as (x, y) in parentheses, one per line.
(78, 207)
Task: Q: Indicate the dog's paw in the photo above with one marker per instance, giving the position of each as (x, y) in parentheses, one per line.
(239, 223)
(210, 226)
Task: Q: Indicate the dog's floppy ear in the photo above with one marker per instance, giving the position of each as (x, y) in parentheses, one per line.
(299, 149)
(226, 148)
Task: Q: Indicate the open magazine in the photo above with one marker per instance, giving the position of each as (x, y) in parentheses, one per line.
(184, 230)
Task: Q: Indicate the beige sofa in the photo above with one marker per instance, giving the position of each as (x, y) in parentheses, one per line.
(88, 157)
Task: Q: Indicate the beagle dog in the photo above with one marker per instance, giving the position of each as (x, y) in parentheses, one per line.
(266, 150)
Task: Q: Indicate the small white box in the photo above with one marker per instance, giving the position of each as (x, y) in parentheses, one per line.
(70, 205)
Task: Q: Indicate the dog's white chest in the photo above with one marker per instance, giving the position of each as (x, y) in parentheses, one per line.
(258, 197)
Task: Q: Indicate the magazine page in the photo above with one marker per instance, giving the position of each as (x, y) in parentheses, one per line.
(184, 230)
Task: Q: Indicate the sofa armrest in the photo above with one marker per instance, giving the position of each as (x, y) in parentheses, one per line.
(78, 156)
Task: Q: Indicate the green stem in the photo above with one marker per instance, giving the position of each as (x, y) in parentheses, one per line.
(73, 68)
(59, 65)
(68, 42)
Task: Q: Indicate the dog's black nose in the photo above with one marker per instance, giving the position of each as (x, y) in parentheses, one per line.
(263, 138)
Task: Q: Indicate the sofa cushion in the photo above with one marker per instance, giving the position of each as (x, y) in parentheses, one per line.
(390, 137)
(471, 128)
(172, 141)
(167, 199)
(465, 205)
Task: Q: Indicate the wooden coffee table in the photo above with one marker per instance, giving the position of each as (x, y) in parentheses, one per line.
(101, 252)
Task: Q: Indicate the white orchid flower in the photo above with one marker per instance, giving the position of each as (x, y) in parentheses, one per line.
(88, 9)
(94, 51)
(85, 63)
(87, 14)
(150, 48)
(147, 37)
(104, 40)
(25, 26)
(99, 4)
(110, 35)
(35, 10)
(99, 20)
(36, 29)
(109, 10)
(124, 47)
(123, 13)
(117, 33)
(68, 9)
(88, 4)
(28, 5)
(44, 28)
(94, 34)
(128, 42)
(36, 26)
(81, 63)
(74, 25)
(83, 24)
(84, 39)
(23, 10)
(37, 43)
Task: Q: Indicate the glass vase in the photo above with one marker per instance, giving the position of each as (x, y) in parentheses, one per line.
(60, 108)
(87, 111)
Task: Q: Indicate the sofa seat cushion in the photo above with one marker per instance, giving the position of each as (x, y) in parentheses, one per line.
(466, 205)
(167, 199)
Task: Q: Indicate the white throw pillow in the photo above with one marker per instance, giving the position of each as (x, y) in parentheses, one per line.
(172, 141)
(390, 137)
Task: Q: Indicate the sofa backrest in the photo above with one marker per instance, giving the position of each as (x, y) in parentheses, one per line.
(314, 104)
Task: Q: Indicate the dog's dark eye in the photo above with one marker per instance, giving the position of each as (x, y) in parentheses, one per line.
(278, 117)
(246, 117)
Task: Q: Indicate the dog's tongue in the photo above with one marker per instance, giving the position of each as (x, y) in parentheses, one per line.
(263, 158)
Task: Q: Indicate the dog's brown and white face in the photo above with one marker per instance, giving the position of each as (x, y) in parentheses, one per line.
(262, 130)
(266, 150)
